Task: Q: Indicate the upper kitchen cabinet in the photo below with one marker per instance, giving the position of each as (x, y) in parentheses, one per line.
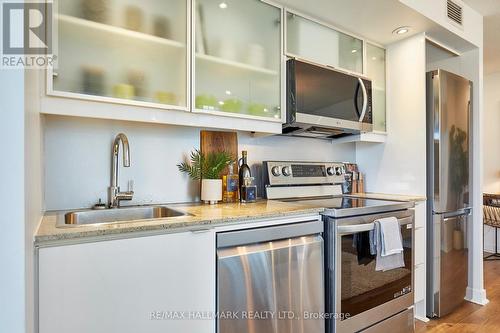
(310, 40)
(125, 51)
(375, 70)
(238, 58)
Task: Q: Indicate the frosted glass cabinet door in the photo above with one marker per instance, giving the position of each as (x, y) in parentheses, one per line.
(238, 58)
(375, 70)
(321, 44)
(125, 49)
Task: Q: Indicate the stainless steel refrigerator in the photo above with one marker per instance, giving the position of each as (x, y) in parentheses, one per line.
(449, 100)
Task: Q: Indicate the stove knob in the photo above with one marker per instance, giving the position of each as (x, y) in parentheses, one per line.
(330, 171)
(286, 171)
(338, 171)
(276, 171)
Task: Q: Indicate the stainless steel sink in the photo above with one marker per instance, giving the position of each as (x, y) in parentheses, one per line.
(118, 215)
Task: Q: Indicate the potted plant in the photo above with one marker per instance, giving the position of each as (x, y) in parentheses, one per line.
(208, 169)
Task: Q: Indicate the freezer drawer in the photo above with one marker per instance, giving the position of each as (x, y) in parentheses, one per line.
(269, 286)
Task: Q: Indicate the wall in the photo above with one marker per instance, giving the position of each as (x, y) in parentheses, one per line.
(12, 229)
(491, 147)
(398, 165)
(78, 159)
(472, 29)
(33, 179)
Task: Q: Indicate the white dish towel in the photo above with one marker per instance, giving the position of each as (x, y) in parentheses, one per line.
(386, 242)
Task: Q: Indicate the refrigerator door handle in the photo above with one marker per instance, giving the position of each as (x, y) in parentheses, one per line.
(449, 214)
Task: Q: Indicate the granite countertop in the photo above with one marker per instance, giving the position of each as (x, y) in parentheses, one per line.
(200, 216)
(393, 197)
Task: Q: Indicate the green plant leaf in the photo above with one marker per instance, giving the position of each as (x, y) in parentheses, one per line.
(206, 167)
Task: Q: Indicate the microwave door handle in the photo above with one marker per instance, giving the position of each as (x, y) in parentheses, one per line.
(365, 100)
(356, 93)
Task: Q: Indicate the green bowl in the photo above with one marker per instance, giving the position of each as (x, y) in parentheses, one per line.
(232, 105)
(205, 102)
(256, 109)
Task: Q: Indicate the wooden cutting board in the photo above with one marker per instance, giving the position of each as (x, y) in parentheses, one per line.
(217, 141)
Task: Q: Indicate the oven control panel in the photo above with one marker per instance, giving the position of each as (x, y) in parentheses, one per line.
(303, 173)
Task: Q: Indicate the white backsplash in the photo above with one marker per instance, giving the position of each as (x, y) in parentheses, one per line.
(77, 158)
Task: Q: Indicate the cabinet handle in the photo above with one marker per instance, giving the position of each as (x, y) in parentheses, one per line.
(201, 230)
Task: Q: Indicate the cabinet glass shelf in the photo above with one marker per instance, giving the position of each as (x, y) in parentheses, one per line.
(233, 65)
(110, 29)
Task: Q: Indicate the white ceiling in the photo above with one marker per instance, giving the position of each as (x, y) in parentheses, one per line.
(485, 7)
(490, 9)
(373, 20)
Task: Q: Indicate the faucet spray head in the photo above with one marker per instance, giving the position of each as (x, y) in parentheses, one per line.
(126, 150)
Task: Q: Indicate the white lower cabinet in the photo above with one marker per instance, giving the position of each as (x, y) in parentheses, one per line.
(420, 258)
(148, 284)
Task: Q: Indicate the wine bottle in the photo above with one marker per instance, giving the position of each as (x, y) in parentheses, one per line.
(244, 171)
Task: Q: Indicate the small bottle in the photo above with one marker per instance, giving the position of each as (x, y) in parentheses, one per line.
(354, 188)
(244, 170)
(230, 185)
(361, 183)
(248, 191)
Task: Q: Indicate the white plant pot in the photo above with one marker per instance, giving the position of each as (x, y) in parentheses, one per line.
(211, 190)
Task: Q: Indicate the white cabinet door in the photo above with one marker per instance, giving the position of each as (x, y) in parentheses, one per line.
(322, 44)
(144, 284)
(420, 257)
(131, 52)
(238, 58)
(375, 70)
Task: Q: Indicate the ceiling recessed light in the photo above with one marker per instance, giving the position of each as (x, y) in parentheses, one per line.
(228, 92)
(401, 30)
(223, 5)
(354, 51)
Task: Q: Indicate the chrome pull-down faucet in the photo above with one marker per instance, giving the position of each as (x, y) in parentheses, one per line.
(115, 196)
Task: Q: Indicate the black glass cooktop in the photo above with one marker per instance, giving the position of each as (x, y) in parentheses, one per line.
(350, 206)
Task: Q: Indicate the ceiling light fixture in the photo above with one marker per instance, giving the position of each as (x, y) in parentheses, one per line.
(401, 30)
(223, 5)
(354, 51)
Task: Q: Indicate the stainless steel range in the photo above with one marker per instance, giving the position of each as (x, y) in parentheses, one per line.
(358, 297)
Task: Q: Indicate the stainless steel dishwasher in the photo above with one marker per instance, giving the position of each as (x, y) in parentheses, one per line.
(271, 279)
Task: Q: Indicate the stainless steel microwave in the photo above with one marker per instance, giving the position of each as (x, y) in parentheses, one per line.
(326, 103)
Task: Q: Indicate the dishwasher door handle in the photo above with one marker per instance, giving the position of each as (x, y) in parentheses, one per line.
(266, 234)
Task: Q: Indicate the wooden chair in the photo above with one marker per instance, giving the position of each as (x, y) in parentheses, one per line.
(491, 217)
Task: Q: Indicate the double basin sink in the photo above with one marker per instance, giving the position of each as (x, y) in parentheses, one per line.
(118, 215)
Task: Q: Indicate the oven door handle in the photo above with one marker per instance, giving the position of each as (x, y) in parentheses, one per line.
(356, 228)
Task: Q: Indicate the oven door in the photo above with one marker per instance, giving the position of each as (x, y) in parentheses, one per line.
(365, 296)
(326, 98)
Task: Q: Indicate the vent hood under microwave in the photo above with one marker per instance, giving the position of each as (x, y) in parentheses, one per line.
(323, 102)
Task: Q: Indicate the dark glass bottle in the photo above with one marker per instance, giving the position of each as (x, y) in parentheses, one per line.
(244, 169)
